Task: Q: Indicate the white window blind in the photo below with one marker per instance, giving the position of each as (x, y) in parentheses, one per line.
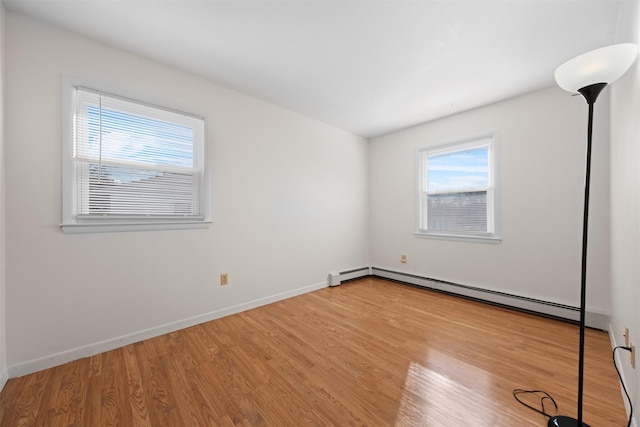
(457, 189)
(135, 161)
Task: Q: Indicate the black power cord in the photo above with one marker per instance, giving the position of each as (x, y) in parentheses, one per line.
(543, 395)
(624, 388)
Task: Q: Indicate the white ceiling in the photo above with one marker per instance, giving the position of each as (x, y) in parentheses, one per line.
(369, 67)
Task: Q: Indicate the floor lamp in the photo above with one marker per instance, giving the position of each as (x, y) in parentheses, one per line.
(587, 75)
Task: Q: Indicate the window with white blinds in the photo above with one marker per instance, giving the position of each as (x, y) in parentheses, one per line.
(133, 162)
(457, 189)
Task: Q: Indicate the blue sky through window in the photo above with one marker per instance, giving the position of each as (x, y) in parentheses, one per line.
(131, 138)
(459, 170)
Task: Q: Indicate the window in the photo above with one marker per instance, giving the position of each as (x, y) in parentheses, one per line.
(131, 164)
(457, 190)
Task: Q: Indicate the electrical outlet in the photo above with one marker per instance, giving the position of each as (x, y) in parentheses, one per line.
(633, 356)
(403, 259)
(224, 279)
(626, 336)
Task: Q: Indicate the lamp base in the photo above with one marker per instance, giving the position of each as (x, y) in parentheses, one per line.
(562, 421)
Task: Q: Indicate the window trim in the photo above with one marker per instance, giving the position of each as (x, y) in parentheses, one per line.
(494, 178)
(73, 225)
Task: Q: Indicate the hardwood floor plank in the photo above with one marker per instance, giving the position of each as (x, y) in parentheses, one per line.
(116, 409)
(367, 353)
(72, 394)
(136, 396)
(20, 401)
(186, 404)
(47, 410)
(93, 400)
(158, 394)
(226, 392)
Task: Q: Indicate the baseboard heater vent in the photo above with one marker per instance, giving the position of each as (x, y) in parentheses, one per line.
(546, 308)
(336, 278)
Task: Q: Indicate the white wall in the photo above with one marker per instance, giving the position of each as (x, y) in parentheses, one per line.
(542, 156)
(625, 204)
(290, 204)
(3, 340)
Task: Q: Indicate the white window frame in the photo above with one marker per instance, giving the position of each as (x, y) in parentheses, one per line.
(493, 234)
(73, 223)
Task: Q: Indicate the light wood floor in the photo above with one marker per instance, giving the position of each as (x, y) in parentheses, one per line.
(369, 352)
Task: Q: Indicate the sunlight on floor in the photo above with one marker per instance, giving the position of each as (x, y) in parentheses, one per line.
(437, 395)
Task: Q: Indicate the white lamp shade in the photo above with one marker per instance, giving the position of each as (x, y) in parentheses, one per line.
(604, 65)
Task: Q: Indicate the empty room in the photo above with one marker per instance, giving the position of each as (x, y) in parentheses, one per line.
(319, 213)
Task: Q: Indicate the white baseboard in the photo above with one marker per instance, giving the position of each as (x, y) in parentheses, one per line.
(620, 362)
(4, 377)
(35, 365)
(593, 319)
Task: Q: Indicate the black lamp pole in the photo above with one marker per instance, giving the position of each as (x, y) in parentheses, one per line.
(590, 93)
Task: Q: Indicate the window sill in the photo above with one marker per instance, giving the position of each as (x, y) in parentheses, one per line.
(493, 239)
(114, 227)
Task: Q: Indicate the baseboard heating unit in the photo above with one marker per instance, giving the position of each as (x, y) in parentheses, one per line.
(531, 305)
(337, 278)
